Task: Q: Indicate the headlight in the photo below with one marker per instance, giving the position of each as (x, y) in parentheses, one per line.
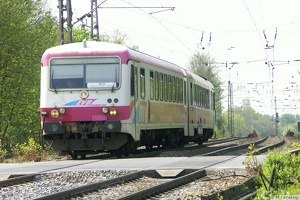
(62, 110)
(84, 94)
(55, 113)
(113, 112)
(104, 110)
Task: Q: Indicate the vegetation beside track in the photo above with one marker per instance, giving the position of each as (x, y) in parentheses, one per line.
(279, 174)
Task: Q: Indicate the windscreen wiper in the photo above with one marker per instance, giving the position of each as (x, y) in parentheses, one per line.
(53, 81)
(112, 89)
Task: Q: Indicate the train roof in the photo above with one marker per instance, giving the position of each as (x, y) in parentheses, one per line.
(95, 48)
(204, 82)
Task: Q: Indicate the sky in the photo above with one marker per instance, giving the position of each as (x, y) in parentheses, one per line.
(260, 36)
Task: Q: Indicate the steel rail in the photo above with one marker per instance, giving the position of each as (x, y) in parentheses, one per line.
(92, 186)
(228, 149)
(165, 186)
(231, 192)
(17, 180)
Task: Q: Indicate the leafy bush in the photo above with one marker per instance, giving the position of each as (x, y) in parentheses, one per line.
(278, 175)
(3, 152)
(281, 169)
(30, 151)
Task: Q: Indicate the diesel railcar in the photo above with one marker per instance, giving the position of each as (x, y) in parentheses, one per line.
(104, 97)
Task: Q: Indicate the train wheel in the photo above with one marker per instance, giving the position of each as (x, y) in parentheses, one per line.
(200, 141)
(83, 156)
(149, 147)
(123, 151)
(74, 156)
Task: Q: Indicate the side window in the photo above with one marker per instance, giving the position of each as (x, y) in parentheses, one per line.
(170, 87)
(207, 98)
(166, 87)
(174, 86)
(136, 83)
(142, 83)
(152, 85)
(201, 97)
(132, 81)
(213, 101)
(191, 94)
(180, 91)
(184, 93)
(156, 86)
(161, 86)
(177, 90)
(195, 95)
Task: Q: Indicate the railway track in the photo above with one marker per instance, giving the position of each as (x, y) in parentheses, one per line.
(138, 180)
(143, 152)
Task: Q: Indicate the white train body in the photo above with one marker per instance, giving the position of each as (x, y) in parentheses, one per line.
(99, 96)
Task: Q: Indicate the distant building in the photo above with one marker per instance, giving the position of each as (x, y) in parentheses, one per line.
(246, 103)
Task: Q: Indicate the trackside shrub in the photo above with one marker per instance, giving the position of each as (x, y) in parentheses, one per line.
(3, 152)
(28, 151)
(283, 174)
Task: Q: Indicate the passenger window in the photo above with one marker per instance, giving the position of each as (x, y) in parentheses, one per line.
(136, 83)
(191, 94)
(166, 87)
(181, 91)
(132, 81)
(156, 86)
(151, 85)
(161, 86)
(142, 83)
(170, 89)
(177, 90)
(174, 85)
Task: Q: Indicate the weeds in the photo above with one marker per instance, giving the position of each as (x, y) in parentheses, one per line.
(31, 151)
(279, 174)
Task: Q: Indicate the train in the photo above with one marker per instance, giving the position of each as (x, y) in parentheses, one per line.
(104, 97)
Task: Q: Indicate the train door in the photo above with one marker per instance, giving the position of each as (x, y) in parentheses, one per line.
(134, 102)
(191, 109)
(142, 100)
(186, 108)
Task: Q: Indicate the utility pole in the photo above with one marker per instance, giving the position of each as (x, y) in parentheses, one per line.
(61, 20)
(271, 67)
(276, 118)
(230, 109)
(62, 8)
(230, 102)
(94, 20)
(69, 20)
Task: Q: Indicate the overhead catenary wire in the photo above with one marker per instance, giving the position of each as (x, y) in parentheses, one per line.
(170, 32)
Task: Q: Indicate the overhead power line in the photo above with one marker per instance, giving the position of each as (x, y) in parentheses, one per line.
(94, 14)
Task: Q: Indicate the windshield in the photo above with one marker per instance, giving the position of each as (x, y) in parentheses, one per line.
(84, 73)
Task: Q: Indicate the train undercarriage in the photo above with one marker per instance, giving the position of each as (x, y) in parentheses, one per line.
(70, 141)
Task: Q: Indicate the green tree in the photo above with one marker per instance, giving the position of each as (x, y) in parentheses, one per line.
(246, 120)
(80, 33)
(26, 31)
(202, 65)
(288, 122)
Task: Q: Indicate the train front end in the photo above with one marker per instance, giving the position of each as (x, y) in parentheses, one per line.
(84, 99)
